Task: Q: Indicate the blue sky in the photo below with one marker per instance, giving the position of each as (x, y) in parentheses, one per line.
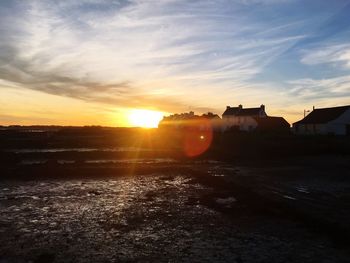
(108, 57)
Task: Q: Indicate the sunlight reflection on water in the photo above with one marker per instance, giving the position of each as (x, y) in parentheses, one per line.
(53, 150)
(102, 161)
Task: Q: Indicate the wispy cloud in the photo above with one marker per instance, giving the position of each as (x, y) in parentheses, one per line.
(114, 51)
(173, 55)
(322, 88)
(337, 54)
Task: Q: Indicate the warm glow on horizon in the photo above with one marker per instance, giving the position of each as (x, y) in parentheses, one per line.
(145, 118)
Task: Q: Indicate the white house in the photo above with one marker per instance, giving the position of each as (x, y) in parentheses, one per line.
(334, 120)
(243, 119)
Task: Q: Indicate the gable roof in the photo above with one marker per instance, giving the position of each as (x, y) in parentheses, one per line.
(272, 123)
(249, 112)
(239, 111)
(323, 115)
(231, 111)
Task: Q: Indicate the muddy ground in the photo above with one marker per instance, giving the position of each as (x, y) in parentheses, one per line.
(168, 211)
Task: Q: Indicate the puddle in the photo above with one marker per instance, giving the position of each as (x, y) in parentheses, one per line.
(101, 161)
(226, 202)
(132, 161)
(30, 162)
(54, 150)
(303, 189)
(218, 175)
(65, 161)
(289, 197)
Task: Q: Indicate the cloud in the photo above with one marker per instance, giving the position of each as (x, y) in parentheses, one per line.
(172, 54)
(338, 87)
(265, 2)
(5, 118)
(336, 54)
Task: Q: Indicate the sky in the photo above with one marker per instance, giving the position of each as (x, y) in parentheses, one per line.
(91, 62)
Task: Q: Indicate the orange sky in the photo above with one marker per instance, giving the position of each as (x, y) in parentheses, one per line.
(24, 106)
(28, 107)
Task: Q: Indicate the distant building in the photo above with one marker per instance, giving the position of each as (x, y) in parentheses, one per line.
(334, 120)
(242, 119)
(177, 121)
(233, 119)
(208, 121)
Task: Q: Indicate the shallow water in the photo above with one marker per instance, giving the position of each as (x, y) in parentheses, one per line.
(83, 149)
(103, 161)
(132, 161)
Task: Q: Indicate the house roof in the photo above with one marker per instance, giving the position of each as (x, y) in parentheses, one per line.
(272, 123)
(231, 111)
(323, 115)
(249, 112)
(237, 111)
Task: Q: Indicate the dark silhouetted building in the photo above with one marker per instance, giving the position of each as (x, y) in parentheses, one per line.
(272, 125)
(334, 120)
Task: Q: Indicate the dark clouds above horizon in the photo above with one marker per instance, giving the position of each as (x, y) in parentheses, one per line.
(179, 55)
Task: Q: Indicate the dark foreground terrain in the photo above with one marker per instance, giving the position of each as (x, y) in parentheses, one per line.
(132, 203)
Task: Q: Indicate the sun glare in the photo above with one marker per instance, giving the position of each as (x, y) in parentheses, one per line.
(145, 118)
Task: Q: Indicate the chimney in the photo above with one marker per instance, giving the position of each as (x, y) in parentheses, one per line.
(313, 107)
(240, 106)
(228, 107)
(262, 106)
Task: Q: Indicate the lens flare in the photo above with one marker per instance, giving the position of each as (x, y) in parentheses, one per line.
(197, 138)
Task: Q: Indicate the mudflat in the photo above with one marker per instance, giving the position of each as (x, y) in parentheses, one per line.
(178, 211)
(121, 195)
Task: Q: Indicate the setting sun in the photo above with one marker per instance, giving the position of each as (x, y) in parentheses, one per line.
(145, 118)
